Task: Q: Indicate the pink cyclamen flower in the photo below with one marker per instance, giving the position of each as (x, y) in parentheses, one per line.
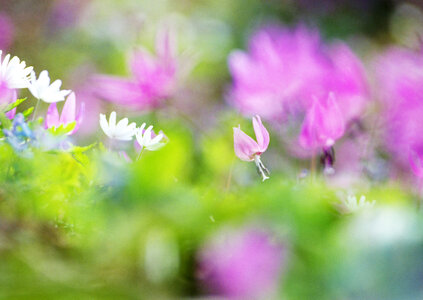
(241, 264)
(283, 69)
(323, 125)
(67, 117)
(248, 149)
(153, 79)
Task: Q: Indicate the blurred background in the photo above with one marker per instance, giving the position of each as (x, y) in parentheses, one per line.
(191, 221)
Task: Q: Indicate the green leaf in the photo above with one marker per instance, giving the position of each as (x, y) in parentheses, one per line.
(5, 122)
(15, 104)
(28, 111)
(62, 130)
(78, 149)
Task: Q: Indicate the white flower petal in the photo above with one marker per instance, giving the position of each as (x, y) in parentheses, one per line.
(42, 89)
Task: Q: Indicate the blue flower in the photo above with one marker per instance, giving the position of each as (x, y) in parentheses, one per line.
(20, 136)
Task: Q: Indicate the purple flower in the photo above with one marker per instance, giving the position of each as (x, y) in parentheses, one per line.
(248, 149)
(241, 264)
(284, 69)
(153, 79)
(323, 125)
(68, 116)
(7, 30)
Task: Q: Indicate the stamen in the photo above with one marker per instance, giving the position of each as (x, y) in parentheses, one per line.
(261, 169)
(328, 159)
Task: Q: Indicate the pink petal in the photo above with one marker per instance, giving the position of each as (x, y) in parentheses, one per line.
(68, 111)
(52, 117)
(79, 118)
(323, 124)
(165, 45)
(142, 65)
(308, 138)
(334, 118)
(245, 147)
(262, 135)
(120, 91)
(11, 114)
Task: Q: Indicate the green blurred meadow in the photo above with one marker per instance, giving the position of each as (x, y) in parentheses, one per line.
(85, 224)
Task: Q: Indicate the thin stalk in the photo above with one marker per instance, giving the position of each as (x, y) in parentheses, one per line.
(140, 154)
(35, 110)
(420, 194)
(313, 165)
(229, 179)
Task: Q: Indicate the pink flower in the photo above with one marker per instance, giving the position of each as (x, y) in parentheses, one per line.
(153, 79)
(284, 69)
(323, 125)
(248, 149)
(67, 117)
(241, 264)
(8, 96)
(416, 163)
(399, 79)
(7, 30)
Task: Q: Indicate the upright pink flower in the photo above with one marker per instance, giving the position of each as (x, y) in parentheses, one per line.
(248, 149)
(323, 125)
(153, 80)
(284, 69)
(67, 117)
(241, 264)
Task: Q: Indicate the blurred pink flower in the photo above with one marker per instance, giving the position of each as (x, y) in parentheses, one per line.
(8, 96)
(89, 124)
(68, 115)
(248, 149)
(399, 79)
(416, 163)
(65, 13)
(323, 125)
(153, 79)
(7, 30)
(241, 264)
(284, 69)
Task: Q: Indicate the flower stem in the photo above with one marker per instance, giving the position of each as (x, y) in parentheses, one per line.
(419, 193)
(313, 165)
(140, 154)
(229, 179)
(35, 110)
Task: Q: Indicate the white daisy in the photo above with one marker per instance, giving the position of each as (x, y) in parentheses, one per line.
(351, 204)
(14, 72)
(148, 139)
(42, 89)
(120, 131)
